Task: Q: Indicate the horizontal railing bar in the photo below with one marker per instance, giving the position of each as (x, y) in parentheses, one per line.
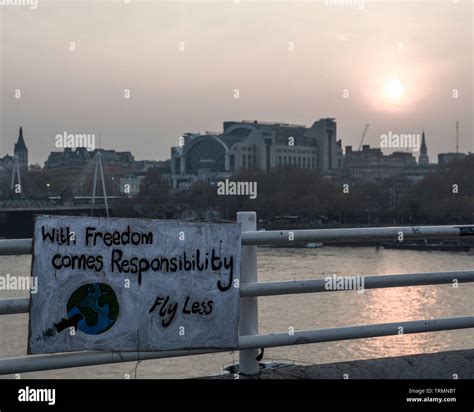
(79, 359)
(282, 237)
(369, 282)
(356, 332)
(15, 247)
(14, 306)
(21, 305)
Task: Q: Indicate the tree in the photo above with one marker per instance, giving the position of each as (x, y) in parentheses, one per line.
(154, 197)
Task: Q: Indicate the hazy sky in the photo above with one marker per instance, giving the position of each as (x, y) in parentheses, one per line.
(289, 60)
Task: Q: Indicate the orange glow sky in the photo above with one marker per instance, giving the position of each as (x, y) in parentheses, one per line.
(418, 51)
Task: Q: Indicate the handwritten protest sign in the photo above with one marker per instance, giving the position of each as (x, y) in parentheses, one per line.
(133, 284)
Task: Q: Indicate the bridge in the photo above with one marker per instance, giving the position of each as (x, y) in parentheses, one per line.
(17, 215)
(27, 196)
(250, 340)
(78, 203)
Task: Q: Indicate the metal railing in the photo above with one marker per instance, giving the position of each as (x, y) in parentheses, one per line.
(249, 339)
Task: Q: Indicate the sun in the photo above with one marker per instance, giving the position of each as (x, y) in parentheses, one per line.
(394, 90)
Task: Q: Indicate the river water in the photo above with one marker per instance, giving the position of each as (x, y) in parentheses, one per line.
(307, 311)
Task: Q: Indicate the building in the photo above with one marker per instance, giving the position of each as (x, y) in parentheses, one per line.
(130, 185)
(255, 145)
(20, 151)
(329, 151)
(142, 166)
(415, 173)
(6, 163)
(423, 159)
(371, 164)
(445, 158)
(72, 159)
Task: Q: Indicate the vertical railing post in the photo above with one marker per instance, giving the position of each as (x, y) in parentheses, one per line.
(248, 364)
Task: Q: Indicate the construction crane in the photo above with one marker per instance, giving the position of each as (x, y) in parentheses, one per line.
(363, 136)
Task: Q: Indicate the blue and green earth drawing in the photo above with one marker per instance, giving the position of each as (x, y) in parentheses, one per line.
(97, 307)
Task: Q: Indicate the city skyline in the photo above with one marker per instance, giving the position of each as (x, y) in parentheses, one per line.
(290, 64)
(433, 157)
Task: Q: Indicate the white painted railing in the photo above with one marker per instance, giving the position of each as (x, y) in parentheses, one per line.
(249, 339)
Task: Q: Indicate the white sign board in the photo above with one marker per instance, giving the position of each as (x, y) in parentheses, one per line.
(134, 284)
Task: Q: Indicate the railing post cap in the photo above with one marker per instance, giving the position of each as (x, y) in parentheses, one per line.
(250, 217)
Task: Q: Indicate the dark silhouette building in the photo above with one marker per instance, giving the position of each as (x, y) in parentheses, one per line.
(78, 158)
(253, 144)
(423, 159)
(21, 151)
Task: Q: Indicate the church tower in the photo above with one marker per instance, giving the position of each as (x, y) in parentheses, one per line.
(21, 151)
(423, 159)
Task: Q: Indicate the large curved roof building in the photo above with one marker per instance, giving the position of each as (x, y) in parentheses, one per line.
(206, 152)
(254, 145)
